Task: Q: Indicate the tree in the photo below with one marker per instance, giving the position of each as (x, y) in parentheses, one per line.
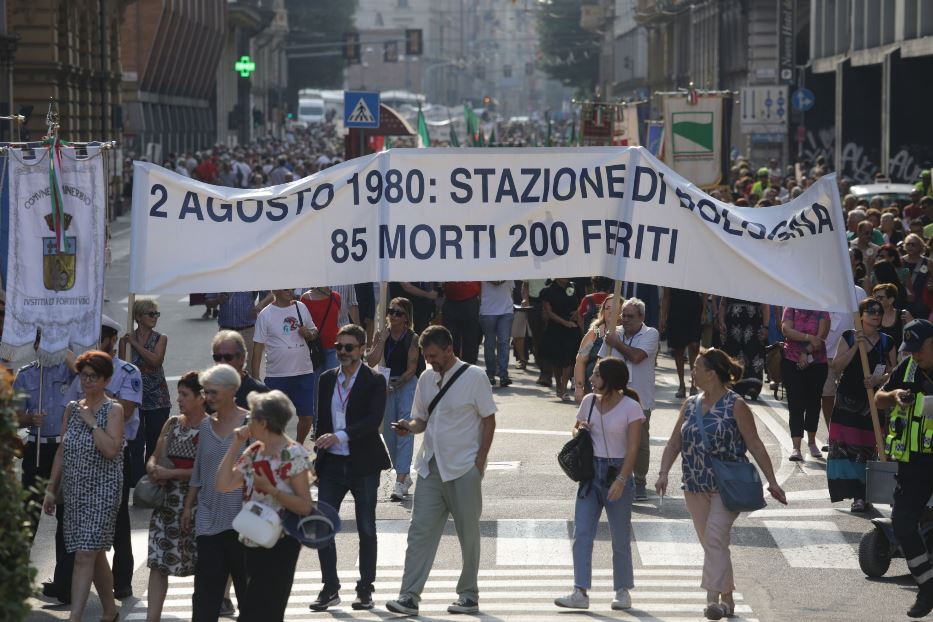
(570, 53)
(320, 23)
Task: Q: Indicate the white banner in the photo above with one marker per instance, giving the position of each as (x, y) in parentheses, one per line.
(693, 140)
(59, 292)
(487, 214)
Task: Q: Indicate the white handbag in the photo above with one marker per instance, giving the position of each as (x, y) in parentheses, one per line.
(259, 523)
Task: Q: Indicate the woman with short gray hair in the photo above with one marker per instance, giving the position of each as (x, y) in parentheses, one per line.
(275, 471)
(219, 551)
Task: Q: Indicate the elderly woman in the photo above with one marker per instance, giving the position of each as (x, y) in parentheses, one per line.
(730, 427)
(172, 550)
(589, 349)
(804, 369)
(148, 354)
(274, 471)
(88, 470)
(851, 438)
(396, 349)
(219, 550)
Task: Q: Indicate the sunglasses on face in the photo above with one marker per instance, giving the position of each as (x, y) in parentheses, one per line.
(397, 313)
(346, 347)
(874, 311)
(223, 356)
(153, 314)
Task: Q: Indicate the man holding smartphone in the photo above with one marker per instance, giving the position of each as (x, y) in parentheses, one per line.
(454, 409)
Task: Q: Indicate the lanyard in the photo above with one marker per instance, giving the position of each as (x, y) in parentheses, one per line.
(343, 400)
(395, 343)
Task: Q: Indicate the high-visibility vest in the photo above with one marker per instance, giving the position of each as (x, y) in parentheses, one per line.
(909, 432)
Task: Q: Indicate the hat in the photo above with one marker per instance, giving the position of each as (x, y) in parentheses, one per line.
(916, 332)
(316, 529)
(108, 321)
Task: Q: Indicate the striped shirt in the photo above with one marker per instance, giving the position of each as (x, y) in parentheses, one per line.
(236, 312)
(216, 510)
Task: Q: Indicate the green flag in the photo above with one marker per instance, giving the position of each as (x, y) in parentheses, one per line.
(424, 139)
(388, 143)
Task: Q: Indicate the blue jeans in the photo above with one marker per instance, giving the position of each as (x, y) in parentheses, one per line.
(330, 361)
(591, 499)
(334, 481)
(497, 331)
(299, 389)
(398, 407)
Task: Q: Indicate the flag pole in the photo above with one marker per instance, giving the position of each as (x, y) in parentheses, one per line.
(875, 424)
(39, 428)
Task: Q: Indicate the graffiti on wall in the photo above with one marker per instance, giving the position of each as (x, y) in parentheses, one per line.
(860, 165)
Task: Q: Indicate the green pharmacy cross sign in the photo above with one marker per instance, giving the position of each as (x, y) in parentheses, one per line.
(244, 66)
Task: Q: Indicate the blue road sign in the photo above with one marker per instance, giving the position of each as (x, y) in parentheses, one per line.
(802, 100)
(361, 109)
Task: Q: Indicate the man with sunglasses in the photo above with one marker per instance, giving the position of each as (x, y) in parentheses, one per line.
(350, 458)
(229, 347)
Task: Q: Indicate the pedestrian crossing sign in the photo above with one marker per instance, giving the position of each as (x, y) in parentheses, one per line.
(361, 109)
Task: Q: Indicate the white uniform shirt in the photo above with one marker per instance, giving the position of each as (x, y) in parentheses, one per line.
(454, 430)
(641, 375)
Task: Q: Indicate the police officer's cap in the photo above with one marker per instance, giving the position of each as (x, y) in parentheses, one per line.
(916, 332)
(106, 320)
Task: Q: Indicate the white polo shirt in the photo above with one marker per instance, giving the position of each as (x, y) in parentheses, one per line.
(454, 430)
(641, 375)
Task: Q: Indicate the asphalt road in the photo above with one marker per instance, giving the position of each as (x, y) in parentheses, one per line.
(794, 562)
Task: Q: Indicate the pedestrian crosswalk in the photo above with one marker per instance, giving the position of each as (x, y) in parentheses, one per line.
(517, 594)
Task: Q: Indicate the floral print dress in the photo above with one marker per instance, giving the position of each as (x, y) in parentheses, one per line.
(279, 469)
(724, 439)
(172, 551)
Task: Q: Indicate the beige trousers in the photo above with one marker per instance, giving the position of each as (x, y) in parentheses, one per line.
(713, 524)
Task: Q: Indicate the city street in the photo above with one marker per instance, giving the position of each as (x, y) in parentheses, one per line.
(798, 562)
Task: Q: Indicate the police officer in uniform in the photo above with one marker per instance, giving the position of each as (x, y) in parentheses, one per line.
(44, 422)
(126, 386)
(909, 441)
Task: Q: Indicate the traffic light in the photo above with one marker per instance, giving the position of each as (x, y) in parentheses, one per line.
(351, 47)
(390, 52)
(413, 42)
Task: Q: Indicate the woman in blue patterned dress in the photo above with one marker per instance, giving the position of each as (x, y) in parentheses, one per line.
(88, 469)
(730, 427)
(172, 550)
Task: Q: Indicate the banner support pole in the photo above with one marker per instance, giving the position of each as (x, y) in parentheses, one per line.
(39, 409)
(614, 308)
(875, 424)
(130, 303)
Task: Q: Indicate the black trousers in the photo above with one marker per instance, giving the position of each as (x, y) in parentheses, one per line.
(122, 544)
(219, 556)
(536, 324)
(914, 488)
(271, 572)
(461, 318)
(804, 395)
(31, 473)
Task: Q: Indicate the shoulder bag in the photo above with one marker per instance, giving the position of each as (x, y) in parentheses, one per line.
(315, 346)
(259, 523)
(739, 485)
(437, 398)
(147, 494)
(576, 456)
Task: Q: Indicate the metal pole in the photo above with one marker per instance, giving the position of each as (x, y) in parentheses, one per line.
(39, 428)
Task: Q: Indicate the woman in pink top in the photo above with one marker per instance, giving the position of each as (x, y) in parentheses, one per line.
(613, 415)
(804, 372)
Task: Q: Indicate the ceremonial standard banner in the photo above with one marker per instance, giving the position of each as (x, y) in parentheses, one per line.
(696, 131)
(487, 214)
(55, 257)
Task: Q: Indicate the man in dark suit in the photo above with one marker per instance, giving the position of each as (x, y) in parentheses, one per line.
(350, 458)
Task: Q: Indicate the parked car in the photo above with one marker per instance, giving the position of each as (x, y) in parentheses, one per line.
(889, 193)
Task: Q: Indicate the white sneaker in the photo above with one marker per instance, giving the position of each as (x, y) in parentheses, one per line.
(398, 493)
(623, 600)
(407, 483)
(575, 600)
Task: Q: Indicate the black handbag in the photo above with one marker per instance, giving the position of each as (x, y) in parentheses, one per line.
(576, 456)
(316, 346)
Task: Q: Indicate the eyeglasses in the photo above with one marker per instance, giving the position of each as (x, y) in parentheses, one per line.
(346, 347)
(224, 356)
(874, 311)
(397, 313)
(153, 314)
(89, 377)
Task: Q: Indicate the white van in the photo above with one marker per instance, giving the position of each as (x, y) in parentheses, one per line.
(311, 110)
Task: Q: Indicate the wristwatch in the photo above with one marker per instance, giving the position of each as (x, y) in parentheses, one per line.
(94, 427)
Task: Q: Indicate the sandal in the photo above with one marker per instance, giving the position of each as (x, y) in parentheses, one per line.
(715, 611)
(522, 364)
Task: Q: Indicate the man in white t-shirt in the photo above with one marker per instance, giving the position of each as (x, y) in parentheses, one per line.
(283, 330)
(637, 344)
(495, 318)
(450, 466)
